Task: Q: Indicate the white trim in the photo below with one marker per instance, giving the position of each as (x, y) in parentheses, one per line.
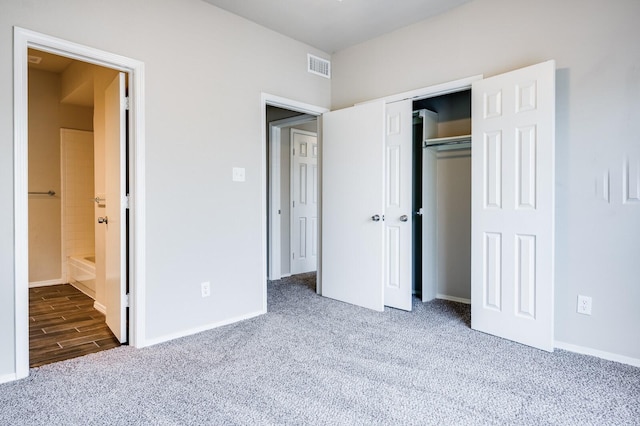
(275, 229)
(200, 329)
(278, 101)
(453, 298)
(20, 217)
(597, 353)
(24, 39)
(430, 91)
(100, 307)
(8, 378)
(46, 283)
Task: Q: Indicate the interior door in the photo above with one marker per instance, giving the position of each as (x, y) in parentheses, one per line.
(115, 181)
(398, 215)
(352, 205)
(512, 266)
(304, 196)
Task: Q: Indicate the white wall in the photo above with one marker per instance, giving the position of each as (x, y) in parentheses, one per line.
(595, 45)
(205, 70)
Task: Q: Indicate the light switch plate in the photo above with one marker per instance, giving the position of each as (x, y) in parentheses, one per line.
(238, 174)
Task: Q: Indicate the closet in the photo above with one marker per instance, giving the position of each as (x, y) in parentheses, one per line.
(442, 197)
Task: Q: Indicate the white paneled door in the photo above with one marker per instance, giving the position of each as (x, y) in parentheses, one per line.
(353, 205)
(398, 201)
(367, 205)
(512, 266)
(304, 201)
(115, 208)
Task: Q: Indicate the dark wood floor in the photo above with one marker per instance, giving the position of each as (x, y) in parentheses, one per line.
(63, 324)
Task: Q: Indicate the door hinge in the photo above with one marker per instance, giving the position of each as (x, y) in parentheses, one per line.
(294, 204)
(279, 211)
(126, 300)
(126, 201)
(294, 151)
(293, 255)
(126, 103)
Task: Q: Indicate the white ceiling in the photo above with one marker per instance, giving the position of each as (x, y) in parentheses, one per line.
(332, 25)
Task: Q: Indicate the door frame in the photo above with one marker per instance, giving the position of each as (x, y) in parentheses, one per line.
(290, 104)
(275, 229)
(24, 39)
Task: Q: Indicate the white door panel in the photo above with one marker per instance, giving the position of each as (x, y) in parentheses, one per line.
(513, 205)
(304, 196)
(352, 193)
(398, 215)
(115, 181)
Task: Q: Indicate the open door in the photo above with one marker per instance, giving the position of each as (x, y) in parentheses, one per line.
(512, 240)
(398, 216)
(352, 205)
(115, 220)
(304, 201)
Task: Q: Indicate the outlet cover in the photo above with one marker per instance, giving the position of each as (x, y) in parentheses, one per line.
(205, 288)
(584, 305)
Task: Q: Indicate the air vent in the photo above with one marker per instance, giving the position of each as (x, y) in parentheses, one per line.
(34, 59)
(318, 66)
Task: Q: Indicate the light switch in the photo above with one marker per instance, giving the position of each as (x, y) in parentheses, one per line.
(238, 174)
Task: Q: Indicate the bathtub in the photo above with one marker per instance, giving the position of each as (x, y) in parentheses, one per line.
(82, 273)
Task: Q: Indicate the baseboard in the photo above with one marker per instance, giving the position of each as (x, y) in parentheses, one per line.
(46, 283)
(635, 362)
(195, 330)
(453, 299)
(8, 378)
(100, 307)
(84, 289)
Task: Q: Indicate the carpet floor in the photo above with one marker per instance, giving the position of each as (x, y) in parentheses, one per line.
(316, 361)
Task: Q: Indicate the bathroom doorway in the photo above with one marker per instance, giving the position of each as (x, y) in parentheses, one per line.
(72, 121)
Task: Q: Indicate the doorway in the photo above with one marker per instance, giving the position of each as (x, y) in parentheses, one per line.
(131, 258)
(442, 197)
(70, 126)
(292, 192)
(282, 119)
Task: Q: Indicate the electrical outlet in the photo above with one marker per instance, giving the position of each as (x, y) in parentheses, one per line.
(584, 305)
(205, 288)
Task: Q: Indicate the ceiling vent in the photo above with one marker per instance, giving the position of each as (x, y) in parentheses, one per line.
(318, 66)
(34, 59)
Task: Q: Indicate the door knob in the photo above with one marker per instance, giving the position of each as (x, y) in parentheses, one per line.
(375, 218)
(404, 218)
(104, 220)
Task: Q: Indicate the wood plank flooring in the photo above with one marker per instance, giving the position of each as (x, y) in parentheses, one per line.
(63, 324)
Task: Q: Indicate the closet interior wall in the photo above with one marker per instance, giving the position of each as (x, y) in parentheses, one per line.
(448, 274)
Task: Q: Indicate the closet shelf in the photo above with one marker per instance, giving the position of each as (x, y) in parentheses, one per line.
(451, 142)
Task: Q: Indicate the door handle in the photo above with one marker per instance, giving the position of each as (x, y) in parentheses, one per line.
(404, 218)
(375, 218)
(104, 220)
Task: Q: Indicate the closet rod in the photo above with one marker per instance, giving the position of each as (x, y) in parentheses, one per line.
(456, 142)
(50, 193)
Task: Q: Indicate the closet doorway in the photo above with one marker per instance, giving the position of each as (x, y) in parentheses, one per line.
(442, 197)
(512, 219)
